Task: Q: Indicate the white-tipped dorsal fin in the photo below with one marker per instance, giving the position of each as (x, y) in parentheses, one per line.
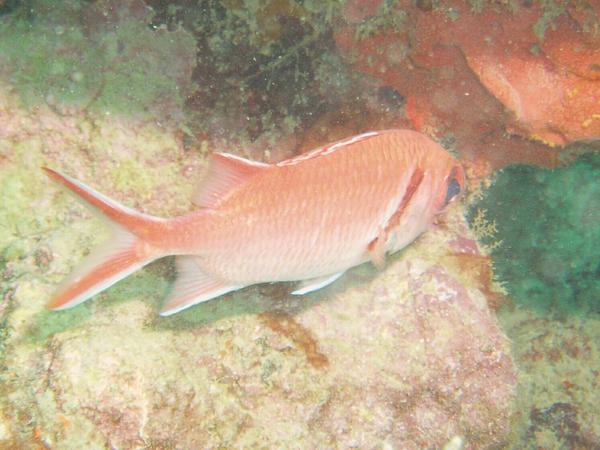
(327, 149)
(193, 286)
(226, 172)
(314, 284)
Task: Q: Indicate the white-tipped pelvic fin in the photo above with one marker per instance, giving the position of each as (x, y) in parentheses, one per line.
(314, 284)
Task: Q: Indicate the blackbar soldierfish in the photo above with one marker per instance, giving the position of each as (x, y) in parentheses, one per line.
(308, 218)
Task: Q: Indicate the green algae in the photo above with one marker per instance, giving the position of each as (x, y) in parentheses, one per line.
(552, 10)
(477, 6)
(48, 323)
(259, 64)
(54, 57)
(388, 16)
(148, 286)
(134, 176)
(22, 185)
(547, 221)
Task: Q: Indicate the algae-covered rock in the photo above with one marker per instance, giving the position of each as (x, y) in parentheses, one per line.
(547, 222)
(409, 357)
(542, 227)
(559, 371)
(97, 56)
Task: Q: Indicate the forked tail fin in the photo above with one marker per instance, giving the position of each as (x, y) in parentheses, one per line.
(130, 247)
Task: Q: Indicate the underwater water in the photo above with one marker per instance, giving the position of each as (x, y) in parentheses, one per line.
(482, 333)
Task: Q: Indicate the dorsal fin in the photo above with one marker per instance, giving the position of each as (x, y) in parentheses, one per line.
(226, 172)
(327, 149)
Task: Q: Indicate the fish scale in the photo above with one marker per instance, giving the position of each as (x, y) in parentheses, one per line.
(308, 218)
(356, 204)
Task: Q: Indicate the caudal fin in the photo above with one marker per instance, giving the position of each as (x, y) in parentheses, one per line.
(129, 248)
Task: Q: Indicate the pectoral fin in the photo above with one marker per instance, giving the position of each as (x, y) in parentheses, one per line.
(377, 250)
(314, 284)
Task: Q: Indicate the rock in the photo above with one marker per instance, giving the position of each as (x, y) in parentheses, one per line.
(558, 370)
(409, 357)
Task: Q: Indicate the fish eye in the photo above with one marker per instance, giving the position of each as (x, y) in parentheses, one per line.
(452, 191)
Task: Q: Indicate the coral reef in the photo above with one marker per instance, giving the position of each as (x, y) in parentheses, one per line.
(408, 357)
(479, 73)
(547, 221)
(130, 96)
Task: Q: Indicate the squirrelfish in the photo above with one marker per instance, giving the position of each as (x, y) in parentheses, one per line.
(309, 218)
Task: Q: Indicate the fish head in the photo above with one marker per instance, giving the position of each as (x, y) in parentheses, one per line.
(451, 188)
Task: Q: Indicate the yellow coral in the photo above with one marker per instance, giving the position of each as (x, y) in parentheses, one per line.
(485, 229)
(587, 122)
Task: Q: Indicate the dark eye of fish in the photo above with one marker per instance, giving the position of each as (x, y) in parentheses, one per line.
(453, 190)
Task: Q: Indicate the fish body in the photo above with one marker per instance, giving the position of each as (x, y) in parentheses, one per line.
(308, 218)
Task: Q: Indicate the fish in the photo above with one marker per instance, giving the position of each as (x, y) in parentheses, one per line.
(306, 219)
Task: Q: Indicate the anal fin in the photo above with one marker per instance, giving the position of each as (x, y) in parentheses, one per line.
(193, 286)
(315, 284)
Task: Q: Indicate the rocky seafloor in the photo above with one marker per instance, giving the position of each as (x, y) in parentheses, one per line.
(408, 357)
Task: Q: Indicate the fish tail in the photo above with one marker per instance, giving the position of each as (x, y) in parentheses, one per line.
(130, 247)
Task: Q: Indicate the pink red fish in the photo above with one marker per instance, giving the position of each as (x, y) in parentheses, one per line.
(309, 219)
